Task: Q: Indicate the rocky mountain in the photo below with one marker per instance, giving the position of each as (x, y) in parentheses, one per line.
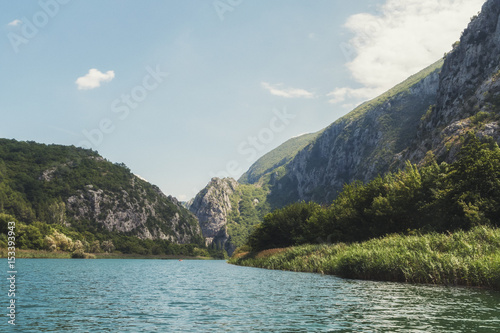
(212, 207)
(78, 188)
(426, 113)
(358, 146)
(227, 211)
(468, 96)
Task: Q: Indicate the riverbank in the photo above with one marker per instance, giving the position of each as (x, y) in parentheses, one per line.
(40, 254)
(460, 259)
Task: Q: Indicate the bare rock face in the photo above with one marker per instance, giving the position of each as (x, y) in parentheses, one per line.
(211, 206)
(469, 85)
(141, 210)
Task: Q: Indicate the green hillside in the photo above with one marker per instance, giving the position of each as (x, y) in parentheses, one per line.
(276, 158)
(52, 189)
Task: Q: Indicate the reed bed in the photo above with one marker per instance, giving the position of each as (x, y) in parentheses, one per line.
(463, 258)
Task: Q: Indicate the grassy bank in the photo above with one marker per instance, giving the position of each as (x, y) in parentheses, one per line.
(463, 258)
(41, 254)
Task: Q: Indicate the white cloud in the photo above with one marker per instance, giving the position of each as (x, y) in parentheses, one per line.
(286, 92)
(15, 23)
(93, 79)
(403, 38)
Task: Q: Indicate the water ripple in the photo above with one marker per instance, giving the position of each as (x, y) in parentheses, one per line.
(212, 296)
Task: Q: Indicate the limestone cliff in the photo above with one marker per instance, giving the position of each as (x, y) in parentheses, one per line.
(142, 210)
(468, 96)
(227, 211)
(212, 206)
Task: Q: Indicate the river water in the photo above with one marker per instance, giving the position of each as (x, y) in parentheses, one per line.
(58, 295)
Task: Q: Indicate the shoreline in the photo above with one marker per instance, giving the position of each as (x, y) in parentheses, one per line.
(41, 254)
(460, 259)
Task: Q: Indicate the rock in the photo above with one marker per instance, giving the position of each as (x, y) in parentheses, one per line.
(211, 206)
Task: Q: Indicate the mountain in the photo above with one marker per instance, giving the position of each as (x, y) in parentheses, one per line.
(227, 211)
(77, 188)
(272, 161)
(425, 115)
(358, 146)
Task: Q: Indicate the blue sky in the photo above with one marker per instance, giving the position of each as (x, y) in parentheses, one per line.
(182, 91)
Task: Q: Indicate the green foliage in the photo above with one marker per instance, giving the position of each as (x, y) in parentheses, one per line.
(428, 114)
(249, 205)
(480, 117)
(42, 236)
(433, 198)
(78, 254)
(288, 226)
(463, 258)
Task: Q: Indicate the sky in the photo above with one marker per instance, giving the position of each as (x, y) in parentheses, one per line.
(183, 91)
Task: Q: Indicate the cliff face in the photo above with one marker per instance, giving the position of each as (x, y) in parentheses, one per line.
(212, 206)
(427, 112)
(438, 108)
(227, 212)
(469, 90)
(142, 210)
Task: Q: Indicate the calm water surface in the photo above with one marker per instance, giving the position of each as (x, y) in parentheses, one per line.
(57, 295)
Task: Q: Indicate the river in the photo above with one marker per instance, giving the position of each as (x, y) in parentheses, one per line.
(57, 295)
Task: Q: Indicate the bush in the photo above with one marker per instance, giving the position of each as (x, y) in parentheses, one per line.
(78, 254)
(435, 197)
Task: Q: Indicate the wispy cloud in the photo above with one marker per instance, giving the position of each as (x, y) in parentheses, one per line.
(15, 23)
(403, 38)
(93, 79)
(277, 90)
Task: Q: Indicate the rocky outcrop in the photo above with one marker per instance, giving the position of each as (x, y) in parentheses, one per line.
(136, 208)
(212, 206)
(469, 86)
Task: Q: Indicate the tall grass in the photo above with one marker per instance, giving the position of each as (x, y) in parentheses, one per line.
(463, 258)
